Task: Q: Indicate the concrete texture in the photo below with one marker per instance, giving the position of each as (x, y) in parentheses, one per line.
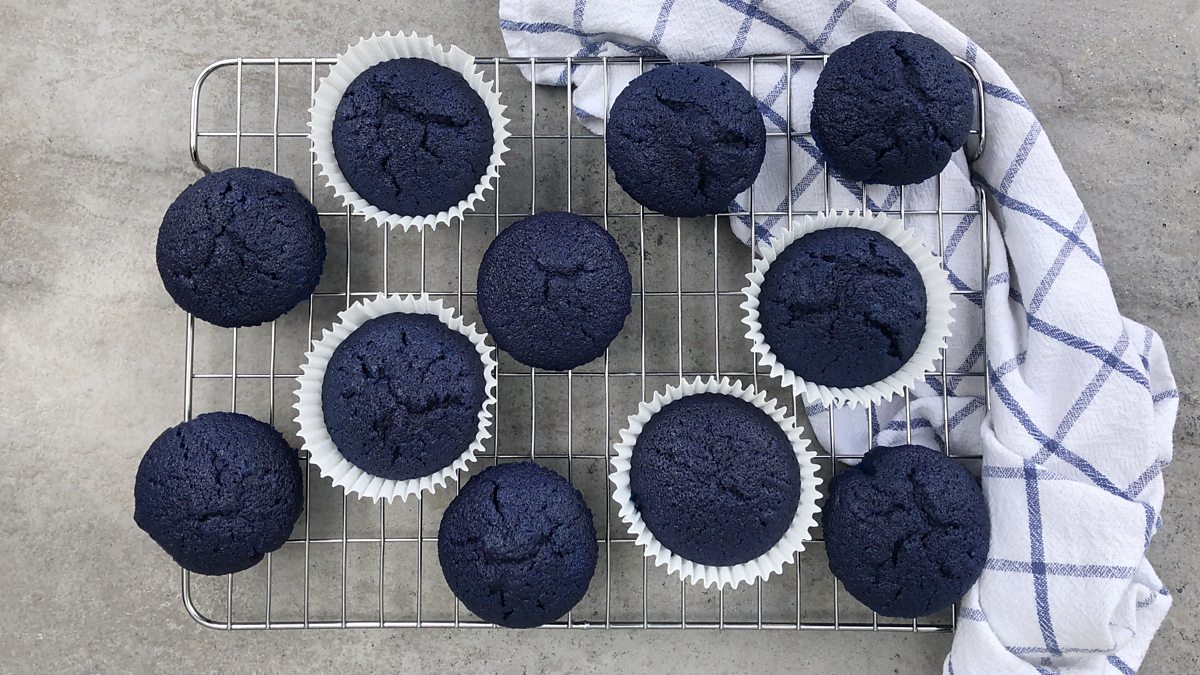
(95, 100)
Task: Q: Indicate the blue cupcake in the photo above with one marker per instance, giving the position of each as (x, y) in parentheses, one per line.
(402, 394)
(412, 137)
(847, 308)
(892, 107)
(715, 479)
(685, 139)
(517, 545)
(554, 290)
(407, 131)
(219, 492)
(716, 482)
(240, 247)
(395, 399)
(906, 530)
(843, 307)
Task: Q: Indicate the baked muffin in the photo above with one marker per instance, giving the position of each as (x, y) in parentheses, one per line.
(412, 137)
(843, 307)
(892, 107)
(240, 247)
(685, 139)
(554, 290)
(219, 492)
(517, 545)
(906, 530)
(402, 395)
(715, 479)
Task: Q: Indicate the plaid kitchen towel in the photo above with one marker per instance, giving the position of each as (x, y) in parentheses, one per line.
(1083, 400)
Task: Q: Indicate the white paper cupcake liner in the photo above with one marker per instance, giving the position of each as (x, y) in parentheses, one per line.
(377, 49)
(311, 418)
(937, 311)
(762, 567)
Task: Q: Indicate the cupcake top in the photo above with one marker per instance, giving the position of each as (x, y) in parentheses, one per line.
(412, 137)
(240, 247)
(685, 139)
(715, 479)
(554, 290)
(402, 395)
(219, 492)
(517, 545)
(843, 307)
(891, 107)
(906, 530)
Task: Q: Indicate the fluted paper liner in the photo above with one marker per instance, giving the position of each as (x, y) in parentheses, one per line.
(938, 305)
(377, 49)
(762, 567)
(311, 418)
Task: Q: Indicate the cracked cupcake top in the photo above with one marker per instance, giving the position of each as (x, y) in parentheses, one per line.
(219, 492)
(891, 107)
(715, 479)
(517, 545)
(843, 307)
(554, 290)
(685, 139)
(240, 247)
(402, 395)
(412, 137)
(906, 530)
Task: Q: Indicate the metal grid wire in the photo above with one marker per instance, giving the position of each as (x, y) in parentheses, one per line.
(354, 564)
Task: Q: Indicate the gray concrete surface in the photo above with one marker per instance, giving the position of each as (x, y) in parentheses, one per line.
(92, 149)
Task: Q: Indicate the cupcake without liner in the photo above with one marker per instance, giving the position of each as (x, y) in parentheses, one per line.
(378, 49)
(783, 550)
(938, 307)
(310, 412)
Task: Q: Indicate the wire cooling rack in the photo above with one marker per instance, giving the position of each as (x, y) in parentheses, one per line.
(354, 564)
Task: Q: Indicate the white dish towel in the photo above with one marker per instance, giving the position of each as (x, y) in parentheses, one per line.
(1083, 401)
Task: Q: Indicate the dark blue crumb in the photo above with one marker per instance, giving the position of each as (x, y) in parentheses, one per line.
(412, 137)
(402, 395)
(685, 139)
(891, 108)
(517, 545)
(906, 530)
(218, 493)
(240, 247)
(715, 479)
(554, 290)
(843, 307)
